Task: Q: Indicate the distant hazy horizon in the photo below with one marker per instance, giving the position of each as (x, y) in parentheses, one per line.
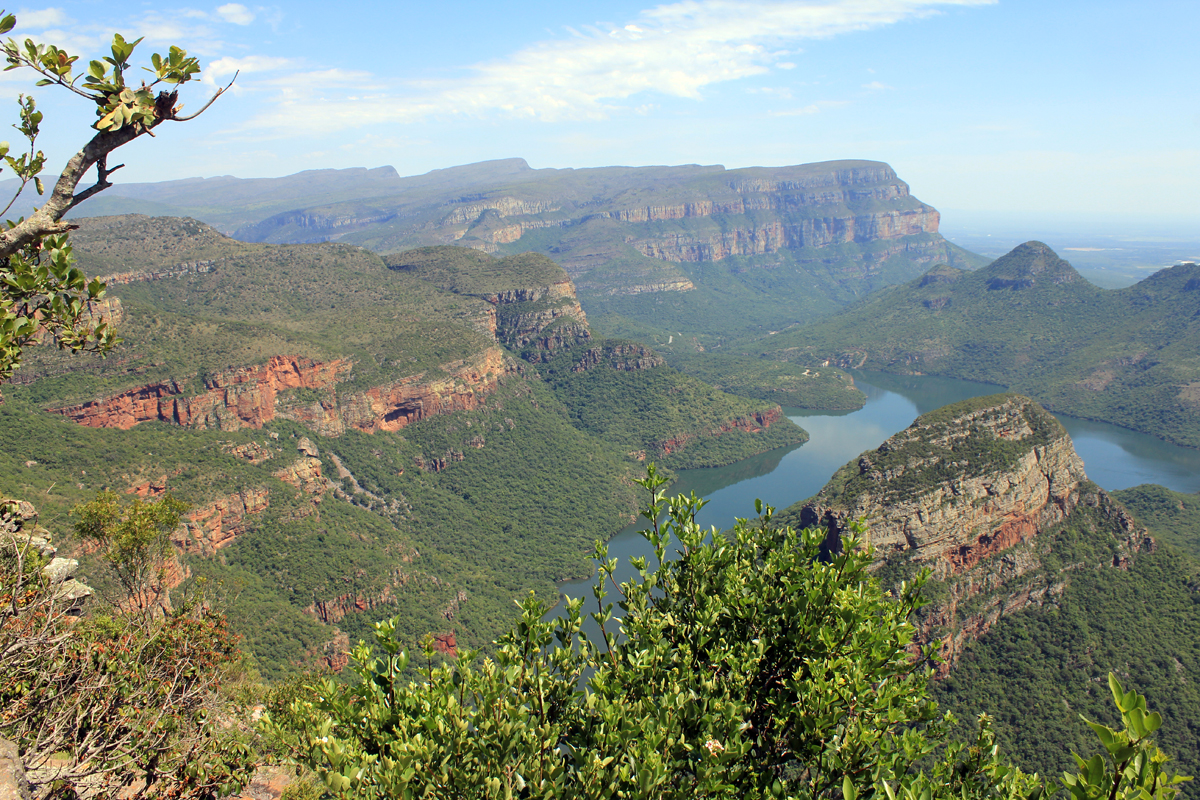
(978, 104)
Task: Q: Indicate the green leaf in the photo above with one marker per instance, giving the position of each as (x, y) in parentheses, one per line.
(1137, 722)
(848, 792)
(1118, 691)
(1107, 735)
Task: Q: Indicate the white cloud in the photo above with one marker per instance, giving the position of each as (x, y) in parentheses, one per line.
(228, 65)
(677, 50)
(236, 13)
(45, 18)
(876, 86)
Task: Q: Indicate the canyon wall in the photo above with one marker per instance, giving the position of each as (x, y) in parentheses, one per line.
(604, 221)
(249, 397)
(973, 492)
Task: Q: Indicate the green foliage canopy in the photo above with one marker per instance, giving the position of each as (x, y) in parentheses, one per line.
(746, 667)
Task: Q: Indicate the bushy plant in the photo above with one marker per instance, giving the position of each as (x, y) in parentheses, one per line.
(123, 701)
(748, 666)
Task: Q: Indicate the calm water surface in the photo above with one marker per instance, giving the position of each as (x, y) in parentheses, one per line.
(1115, 458)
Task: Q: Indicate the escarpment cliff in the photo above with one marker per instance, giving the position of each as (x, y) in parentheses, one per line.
(977, 492)
(250, 397)
(608, 227)
(776, 235)
(534, 301)
(228, 400)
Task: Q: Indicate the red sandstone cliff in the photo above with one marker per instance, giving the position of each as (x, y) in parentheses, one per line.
(247, 397)
(230, 399)
(970, 491)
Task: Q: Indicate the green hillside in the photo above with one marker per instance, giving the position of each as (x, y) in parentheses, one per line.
(492, 481)
(1036, 671)
(1173, 517)
(1028, 321)
(785, 383)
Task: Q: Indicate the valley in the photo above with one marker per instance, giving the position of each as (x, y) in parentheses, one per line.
(431, 402)
(434, 437)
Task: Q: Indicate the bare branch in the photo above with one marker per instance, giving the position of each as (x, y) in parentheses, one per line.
(211, 100)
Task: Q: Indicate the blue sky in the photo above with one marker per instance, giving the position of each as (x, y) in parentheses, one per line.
(1014, 106)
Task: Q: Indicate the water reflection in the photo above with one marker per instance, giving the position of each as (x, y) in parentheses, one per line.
(1118, 458)
(1115, 458)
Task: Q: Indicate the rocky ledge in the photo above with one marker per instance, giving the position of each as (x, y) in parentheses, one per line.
(973, 492)
(249, 396)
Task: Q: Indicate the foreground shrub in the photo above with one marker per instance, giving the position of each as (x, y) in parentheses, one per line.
(748, 666)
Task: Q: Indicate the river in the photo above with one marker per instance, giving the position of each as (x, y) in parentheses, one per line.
(1115, 458)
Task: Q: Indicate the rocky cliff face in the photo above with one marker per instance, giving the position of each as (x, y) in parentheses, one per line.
(589, 219)
(782, 235)
(249, 397)
(545, 317)
(218, 523)
(971, 492)
(228, 400)
(463, 386)
(623, 357)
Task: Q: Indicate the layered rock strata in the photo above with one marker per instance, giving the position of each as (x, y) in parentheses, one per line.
(780, 235)
(249, 397)
(463, 386)
(218, 523)
(543, 317)
(229, 400)
(967, 491)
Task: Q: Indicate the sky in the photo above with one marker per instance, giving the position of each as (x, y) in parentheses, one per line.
(985, 107)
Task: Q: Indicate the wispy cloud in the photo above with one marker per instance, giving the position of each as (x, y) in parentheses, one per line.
(673, 50)
(236, 13)
(876, 86)
(42, 19)
(228, 65)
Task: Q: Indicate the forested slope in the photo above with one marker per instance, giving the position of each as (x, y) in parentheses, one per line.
(1029, 322)
(354, 441)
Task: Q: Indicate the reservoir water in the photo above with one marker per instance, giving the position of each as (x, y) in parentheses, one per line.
(1115, 458)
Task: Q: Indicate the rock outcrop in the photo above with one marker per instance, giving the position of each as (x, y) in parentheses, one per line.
(13, 783)
(969, 491)
(249, 397)
(218, 523)
(951, 490)
(462, 386)
(545, 317)
(21, 534)
(623, 357)
(228, 400)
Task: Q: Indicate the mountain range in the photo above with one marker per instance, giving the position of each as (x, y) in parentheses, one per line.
(1029, 322)
(655, 252)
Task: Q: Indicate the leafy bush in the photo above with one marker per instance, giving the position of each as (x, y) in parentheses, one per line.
(744, 668)
(122, 697)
